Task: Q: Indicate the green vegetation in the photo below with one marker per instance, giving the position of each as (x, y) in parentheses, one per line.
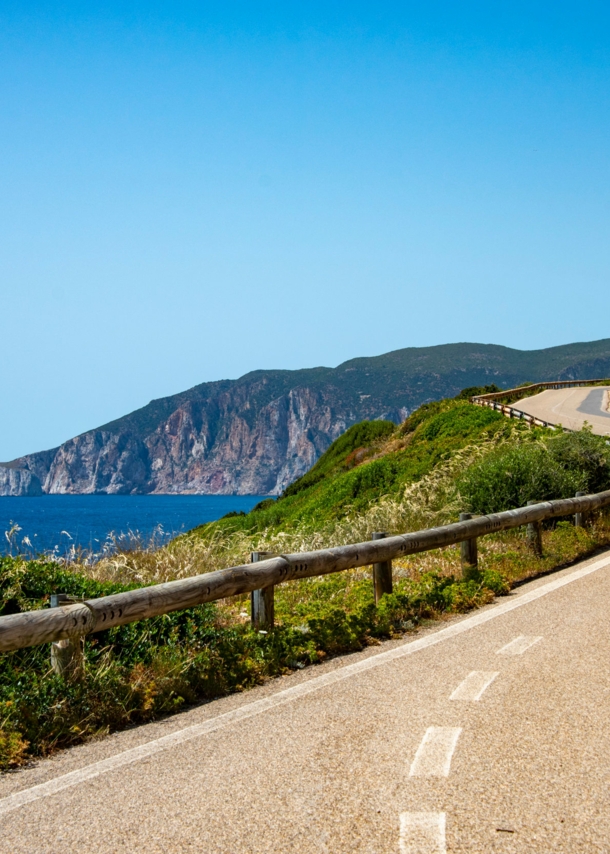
(471, 391)
(137, 672)
(370, 460)
(345, 453)
(446, 457)
(558, 468)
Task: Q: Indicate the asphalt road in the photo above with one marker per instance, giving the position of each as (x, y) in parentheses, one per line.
(486, 733)
(570, 407)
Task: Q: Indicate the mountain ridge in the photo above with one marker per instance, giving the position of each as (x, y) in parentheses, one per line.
(258, 433)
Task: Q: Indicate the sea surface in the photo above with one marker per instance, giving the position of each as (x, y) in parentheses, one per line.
(95, 523)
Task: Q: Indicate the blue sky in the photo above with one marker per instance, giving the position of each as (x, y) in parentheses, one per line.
(194, 190)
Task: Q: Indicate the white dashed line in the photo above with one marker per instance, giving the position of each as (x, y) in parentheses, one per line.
(433, 757)
(473, 686)
(422, 833)
(519, 645)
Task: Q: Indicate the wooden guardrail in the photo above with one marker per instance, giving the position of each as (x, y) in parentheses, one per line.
(500, 400)
(75, 620)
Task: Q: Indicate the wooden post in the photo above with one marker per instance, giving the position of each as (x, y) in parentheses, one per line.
(67, 658)
(262, 601)
(580, 518)
(468, 550)
(382, 572)
(534, 534)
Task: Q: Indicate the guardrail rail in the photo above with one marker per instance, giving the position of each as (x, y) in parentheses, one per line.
(500, 400)
(70, 622)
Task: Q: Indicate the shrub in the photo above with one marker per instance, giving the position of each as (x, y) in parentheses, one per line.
(585, 454)
(471, 391)
(514, 475)
(510, 477)
(12, 748)
(262, 505)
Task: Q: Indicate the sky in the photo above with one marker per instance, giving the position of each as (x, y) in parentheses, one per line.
(191, 191)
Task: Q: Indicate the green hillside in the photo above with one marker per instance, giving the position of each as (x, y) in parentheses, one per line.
(375, 460)
(458, 455)
(370, 460)
(406, 377)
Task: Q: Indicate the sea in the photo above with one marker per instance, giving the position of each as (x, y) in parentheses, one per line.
(97, 524)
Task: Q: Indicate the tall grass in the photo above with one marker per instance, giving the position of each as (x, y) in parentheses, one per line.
(137, 672)
(435, 499)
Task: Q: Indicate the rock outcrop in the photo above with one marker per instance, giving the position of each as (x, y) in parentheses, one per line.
(18, 481)
(257, 434)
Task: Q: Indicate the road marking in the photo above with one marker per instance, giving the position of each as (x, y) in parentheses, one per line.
(473, 686)
(434, 754)
(422, 833)
(519, 645)
(248, 710)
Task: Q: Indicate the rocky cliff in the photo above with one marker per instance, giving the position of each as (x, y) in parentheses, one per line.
(257, 434)
(15, 480)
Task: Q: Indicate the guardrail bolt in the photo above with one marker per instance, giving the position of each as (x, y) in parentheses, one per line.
(469, 552)
(262, 601)
(580, 518)
(382, 572)
(534, 534)
(67, 655)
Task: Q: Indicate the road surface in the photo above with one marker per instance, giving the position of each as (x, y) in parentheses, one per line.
(571, 407)
(489, 732)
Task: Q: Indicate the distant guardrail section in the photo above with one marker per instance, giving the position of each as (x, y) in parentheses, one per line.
(500, 400)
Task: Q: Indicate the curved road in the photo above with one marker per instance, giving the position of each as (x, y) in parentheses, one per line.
(571, 407)
(485, 733)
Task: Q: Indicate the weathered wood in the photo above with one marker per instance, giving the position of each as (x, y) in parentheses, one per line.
(31, 628)
(67, 658)
(468, 550)
(262, 602)
(67, 655)
(534, 534)
(382, 572)
(580, 518)
(36, 627)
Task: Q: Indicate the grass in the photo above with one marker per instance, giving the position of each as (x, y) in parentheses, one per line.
(379, 477)
(370, 459)
(375, 477)
(139, 672)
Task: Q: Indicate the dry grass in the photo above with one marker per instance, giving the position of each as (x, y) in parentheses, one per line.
(506, 553)
(433, 500)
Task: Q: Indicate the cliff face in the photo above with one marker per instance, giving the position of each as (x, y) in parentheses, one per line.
(257, 434)
(219, 445)
(19, 481)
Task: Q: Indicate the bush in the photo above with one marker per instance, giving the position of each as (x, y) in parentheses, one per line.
(471, 391)
(12, 749)
(510, 477)
(359, 437)
(585, 454)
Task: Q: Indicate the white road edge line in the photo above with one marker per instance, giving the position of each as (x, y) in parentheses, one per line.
(519, 645)
(472, 688)
(434, 754)
(422, 833)
(248, 710)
